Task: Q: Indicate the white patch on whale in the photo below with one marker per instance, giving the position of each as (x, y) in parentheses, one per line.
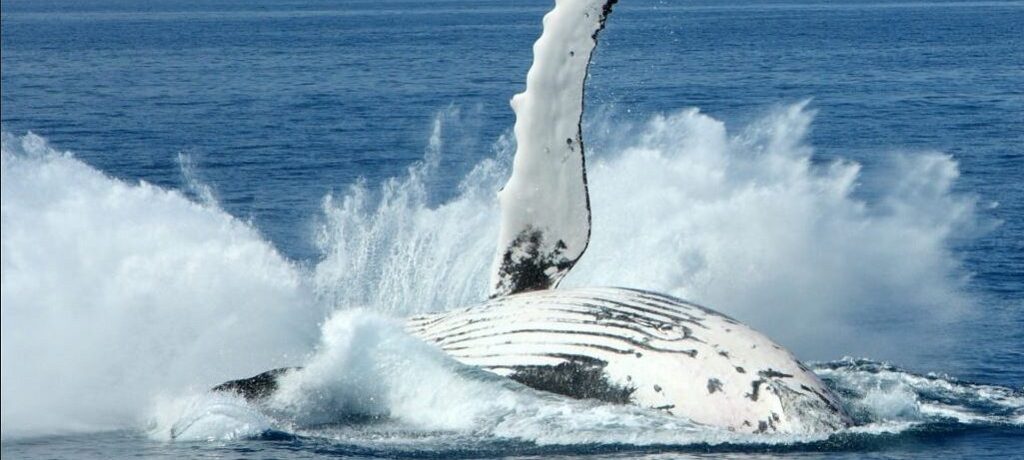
(635, 347)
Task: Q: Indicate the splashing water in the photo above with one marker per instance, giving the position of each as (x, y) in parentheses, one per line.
(748, 224)
(116, 292)
(148, 299)
(390, 250)
(881, 394)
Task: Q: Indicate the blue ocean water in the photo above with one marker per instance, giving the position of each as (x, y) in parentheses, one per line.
(241, 171)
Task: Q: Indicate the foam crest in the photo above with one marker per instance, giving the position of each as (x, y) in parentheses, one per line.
(114, 293)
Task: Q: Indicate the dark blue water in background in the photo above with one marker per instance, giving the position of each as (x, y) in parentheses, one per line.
(280, 103)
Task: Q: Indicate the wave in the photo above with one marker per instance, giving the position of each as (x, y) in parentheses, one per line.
(124, 302)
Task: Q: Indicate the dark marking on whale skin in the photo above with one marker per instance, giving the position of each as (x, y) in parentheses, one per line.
(523, 266)
(714, 385)
(766, 376)
(606, 9)
(772, 373)
(769, 423)
(578, 377)
(257, 387)
(755, 389)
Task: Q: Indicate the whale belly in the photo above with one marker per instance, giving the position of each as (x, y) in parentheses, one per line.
(635, 347)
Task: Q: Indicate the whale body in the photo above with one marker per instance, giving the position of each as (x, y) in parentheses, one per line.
(617, 345)
(629, 346)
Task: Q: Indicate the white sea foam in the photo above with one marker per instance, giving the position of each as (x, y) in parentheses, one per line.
(207, 416)
(880, 394)
(116, 292)
(748, 224)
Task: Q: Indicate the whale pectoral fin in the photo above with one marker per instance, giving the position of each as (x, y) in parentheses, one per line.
(545, 207)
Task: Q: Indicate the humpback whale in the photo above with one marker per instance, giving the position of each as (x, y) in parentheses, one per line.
(617, 345)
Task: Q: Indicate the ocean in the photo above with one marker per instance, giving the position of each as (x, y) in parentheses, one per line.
(198, 191)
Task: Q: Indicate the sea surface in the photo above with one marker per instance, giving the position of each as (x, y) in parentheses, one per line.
(198, 191)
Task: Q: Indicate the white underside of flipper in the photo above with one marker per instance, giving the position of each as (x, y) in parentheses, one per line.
(545, 209)
(635, 347)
